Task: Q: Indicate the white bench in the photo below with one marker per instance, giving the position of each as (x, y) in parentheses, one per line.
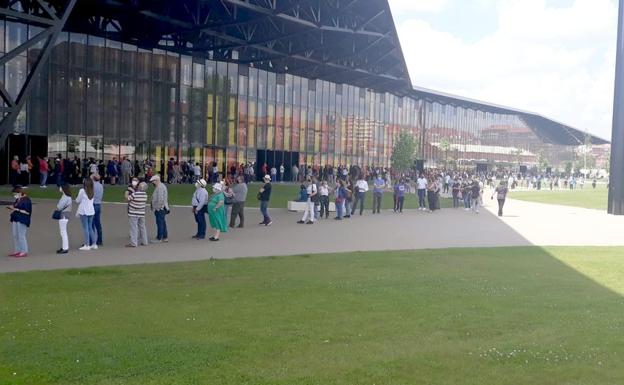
(300, 206)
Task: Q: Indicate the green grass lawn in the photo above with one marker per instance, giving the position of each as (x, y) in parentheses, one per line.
(181, 195)
(586, 197)
(459, 316)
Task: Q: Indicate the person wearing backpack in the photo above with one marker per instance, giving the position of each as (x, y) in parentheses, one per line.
(308, 213)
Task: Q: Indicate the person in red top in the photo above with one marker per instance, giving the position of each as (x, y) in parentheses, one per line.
(15, 171)
(43, 171)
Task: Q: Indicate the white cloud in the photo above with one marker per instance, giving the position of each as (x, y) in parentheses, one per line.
(403, 6)
(558, 62)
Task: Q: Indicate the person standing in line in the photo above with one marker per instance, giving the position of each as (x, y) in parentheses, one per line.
(21, 212)
(466, 194)
(501, 194)
(421, 185)
(273, 174)
(64, 206)
(432, 189)
(98, 195)
(399, 195)
(281, 171)
(137, 201)
(238, 204)
(196, 173)
(324, 199)
(264, 195)
(126, 170)
(132, 188)
(349, 191)
(199, 201)
(308, 213)
(341, 195)
(160, 206)
(58, 172)
(25, 172)
(362, 187)
(43, 171)
(475, 191)
(378, 187)
(456, 189)
(86, 212)
(14, 174)
(217, 214)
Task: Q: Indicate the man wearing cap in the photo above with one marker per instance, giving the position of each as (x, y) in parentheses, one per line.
(199, 201)
(160, 206)
(264, 195)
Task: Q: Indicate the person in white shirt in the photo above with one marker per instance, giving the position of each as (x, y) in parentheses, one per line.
(324, 200)
(361, 185)
(312, 191)
(273, 174)
(196, 172)
(421, 186)
(86, 212)
(282, 170)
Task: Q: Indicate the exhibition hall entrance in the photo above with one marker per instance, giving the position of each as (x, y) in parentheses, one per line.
(22, 146)
(275, 159)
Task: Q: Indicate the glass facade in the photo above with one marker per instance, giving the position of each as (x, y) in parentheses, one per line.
(104, 99)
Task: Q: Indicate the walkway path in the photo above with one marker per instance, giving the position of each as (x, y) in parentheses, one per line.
(525, 223)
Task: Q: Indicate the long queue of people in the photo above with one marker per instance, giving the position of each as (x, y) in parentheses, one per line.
(348, 194)
(89, 208)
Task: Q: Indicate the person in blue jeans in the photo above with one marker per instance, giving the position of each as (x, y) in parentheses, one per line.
(21, 212)
(264, 195)
(98, 195)
(341, 197)
(86, 212)
(199, 202)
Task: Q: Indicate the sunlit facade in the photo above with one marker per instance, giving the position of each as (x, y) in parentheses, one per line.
(104, 99)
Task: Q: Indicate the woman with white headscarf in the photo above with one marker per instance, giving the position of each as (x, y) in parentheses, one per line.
(217, 212)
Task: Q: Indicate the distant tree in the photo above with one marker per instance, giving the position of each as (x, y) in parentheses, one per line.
(569, 165)
(404, 151)
(542, 161)
(445, 146)
(517, 154)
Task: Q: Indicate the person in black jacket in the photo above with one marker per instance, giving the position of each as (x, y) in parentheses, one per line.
(20, 222)
(264, 195)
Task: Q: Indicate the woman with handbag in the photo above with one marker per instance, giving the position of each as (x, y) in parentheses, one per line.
(61, 214)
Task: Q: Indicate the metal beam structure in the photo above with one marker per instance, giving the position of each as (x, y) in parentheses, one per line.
(342, 41)
(616, 175)
(333, 39)
(53, 19)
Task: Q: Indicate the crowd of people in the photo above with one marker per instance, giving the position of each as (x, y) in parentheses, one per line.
(219, 193)
(215, 194)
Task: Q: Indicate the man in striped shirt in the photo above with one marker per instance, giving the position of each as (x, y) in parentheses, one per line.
(136, 215)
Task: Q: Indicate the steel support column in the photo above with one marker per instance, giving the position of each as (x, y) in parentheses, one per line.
(55, 23)
(616, 175)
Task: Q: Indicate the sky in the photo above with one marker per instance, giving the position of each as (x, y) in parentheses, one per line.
(552, 57)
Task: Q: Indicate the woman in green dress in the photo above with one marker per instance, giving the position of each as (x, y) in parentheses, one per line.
(216, 211)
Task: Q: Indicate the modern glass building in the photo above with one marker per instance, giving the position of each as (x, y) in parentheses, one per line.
(245, 81)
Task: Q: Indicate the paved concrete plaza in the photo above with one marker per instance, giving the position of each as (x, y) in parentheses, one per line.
(524, 224)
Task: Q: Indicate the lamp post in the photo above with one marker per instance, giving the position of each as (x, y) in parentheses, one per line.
(616, 174)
